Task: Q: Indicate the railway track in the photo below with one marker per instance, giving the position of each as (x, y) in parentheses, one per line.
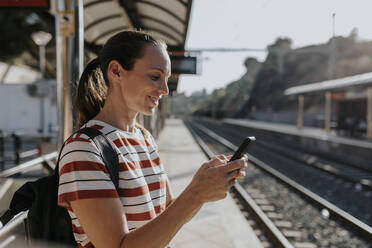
(350, 196)
(351, 172)
(311, 227)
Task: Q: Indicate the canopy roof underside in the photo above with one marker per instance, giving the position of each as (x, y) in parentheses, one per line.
(165, 19)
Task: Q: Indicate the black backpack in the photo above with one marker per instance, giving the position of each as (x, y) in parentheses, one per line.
(46, 221)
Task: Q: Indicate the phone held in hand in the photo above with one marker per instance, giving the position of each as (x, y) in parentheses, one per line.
(242, 148)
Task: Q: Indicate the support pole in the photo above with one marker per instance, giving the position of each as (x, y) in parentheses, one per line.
(68, 62)
(300, 116)
(42, 97)
(328, 105)
(2, 148)
(369, 112)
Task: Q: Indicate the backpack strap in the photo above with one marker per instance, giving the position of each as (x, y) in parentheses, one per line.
(109, 155)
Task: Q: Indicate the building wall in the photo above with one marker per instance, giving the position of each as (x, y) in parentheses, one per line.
(20, 110)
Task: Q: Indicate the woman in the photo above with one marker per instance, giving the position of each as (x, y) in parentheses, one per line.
(130, 77)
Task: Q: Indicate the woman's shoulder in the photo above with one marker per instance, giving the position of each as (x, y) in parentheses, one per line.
(79, 145)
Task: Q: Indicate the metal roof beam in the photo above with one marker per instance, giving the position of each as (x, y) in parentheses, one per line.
(189, 5)
(162, 9)
(131, 9)
(110, 31)
(162, 23)
(92, 24)
(95, 2)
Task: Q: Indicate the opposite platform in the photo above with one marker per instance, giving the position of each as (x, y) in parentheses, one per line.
(309, 132)
(218, 224)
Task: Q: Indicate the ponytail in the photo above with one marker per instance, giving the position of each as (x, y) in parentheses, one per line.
(91, 93)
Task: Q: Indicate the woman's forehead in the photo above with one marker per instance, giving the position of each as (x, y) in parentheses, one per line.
(155, 57)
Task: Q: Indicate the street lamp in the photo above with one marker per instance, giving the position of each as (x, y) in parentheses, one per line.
(41, 39)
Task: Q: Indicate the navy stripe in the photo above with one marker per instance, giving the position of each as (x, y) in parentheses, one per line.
(143, 203)
(149, 175)
(86, 180)
(98, 155)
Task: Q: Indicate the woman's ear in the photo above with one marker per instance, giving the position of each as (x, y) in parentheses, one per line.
(115, 71)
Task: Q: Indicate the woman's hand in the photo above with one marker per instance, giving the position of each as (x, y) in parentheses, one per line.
(215, 178)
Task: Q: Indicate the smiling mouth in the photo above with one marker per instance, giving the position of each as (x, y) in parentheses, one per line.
(154, 100)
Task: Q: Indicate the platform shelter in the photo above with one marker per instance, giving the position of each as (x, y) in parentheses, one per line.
(353, 88)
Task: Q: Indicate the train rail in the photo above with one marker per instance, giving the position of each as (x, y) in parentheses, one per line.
(326, 208)
(350, 196)
(351, 172)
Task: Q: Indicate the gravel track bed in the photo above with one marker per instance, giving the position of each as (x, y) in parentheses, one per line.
(343, 194)
(314, 227)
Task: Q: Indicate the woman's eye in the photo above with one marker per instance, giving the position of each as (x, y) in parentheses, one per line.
(154, 78)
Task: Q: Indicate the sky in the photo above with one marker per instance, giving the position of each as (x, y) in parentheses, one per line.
(258, 23)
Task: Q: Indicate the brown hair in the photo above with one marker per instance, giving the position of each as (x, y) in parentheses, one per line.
(124, 47)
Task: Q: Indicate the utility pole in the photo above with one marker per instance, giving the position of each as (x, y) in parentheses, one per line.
(332, 51)
(69, 53)
(331, 75)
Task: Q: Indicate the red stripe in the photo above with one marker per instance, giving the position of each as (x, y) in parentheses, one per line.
(24, 3)
(159, 208)
(134, 192)
(150, 163)
(133, 165)
(128, 166)
(130, 142)
(96, 126)
(136, 142)
(142, 190)
(82, 166)
(87, 194)
(77, 229)
(72, 139)
(141, 216)
(156, 185)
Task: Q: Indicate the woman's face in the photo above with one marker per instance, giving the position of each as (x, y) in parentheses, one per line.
(144, 85)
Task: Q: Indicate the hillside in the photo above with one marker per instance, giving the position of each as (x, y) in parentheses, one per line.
(306, 65)
(260, 90)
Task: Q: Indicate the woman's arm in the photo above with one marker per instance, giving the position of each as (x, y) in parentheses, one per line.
(170, 199)
(102, 222)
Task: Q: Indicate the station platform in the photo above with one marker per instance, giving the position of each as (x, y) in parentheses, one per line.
(308, 132)
(218, 224)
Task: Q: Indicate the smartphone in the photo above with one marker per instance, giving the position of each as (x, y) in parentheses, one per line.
(242, 148)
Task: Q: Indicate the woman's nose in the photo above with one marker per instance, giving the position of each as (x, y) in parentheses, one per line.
(164, 88)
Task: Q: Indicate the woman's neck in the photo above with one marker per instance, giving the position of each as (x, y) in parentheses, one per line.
(117, 116)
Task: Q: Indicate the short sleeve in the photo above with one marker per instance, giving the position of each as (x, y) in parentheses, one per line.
(82, 173)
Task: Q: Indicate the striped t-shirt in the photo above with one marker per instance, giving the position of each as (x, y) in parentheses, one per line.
(142, 181)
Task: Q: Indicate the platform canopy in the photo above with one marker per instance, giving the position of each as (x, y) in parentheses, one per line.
(165, 19)
(359, 80)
